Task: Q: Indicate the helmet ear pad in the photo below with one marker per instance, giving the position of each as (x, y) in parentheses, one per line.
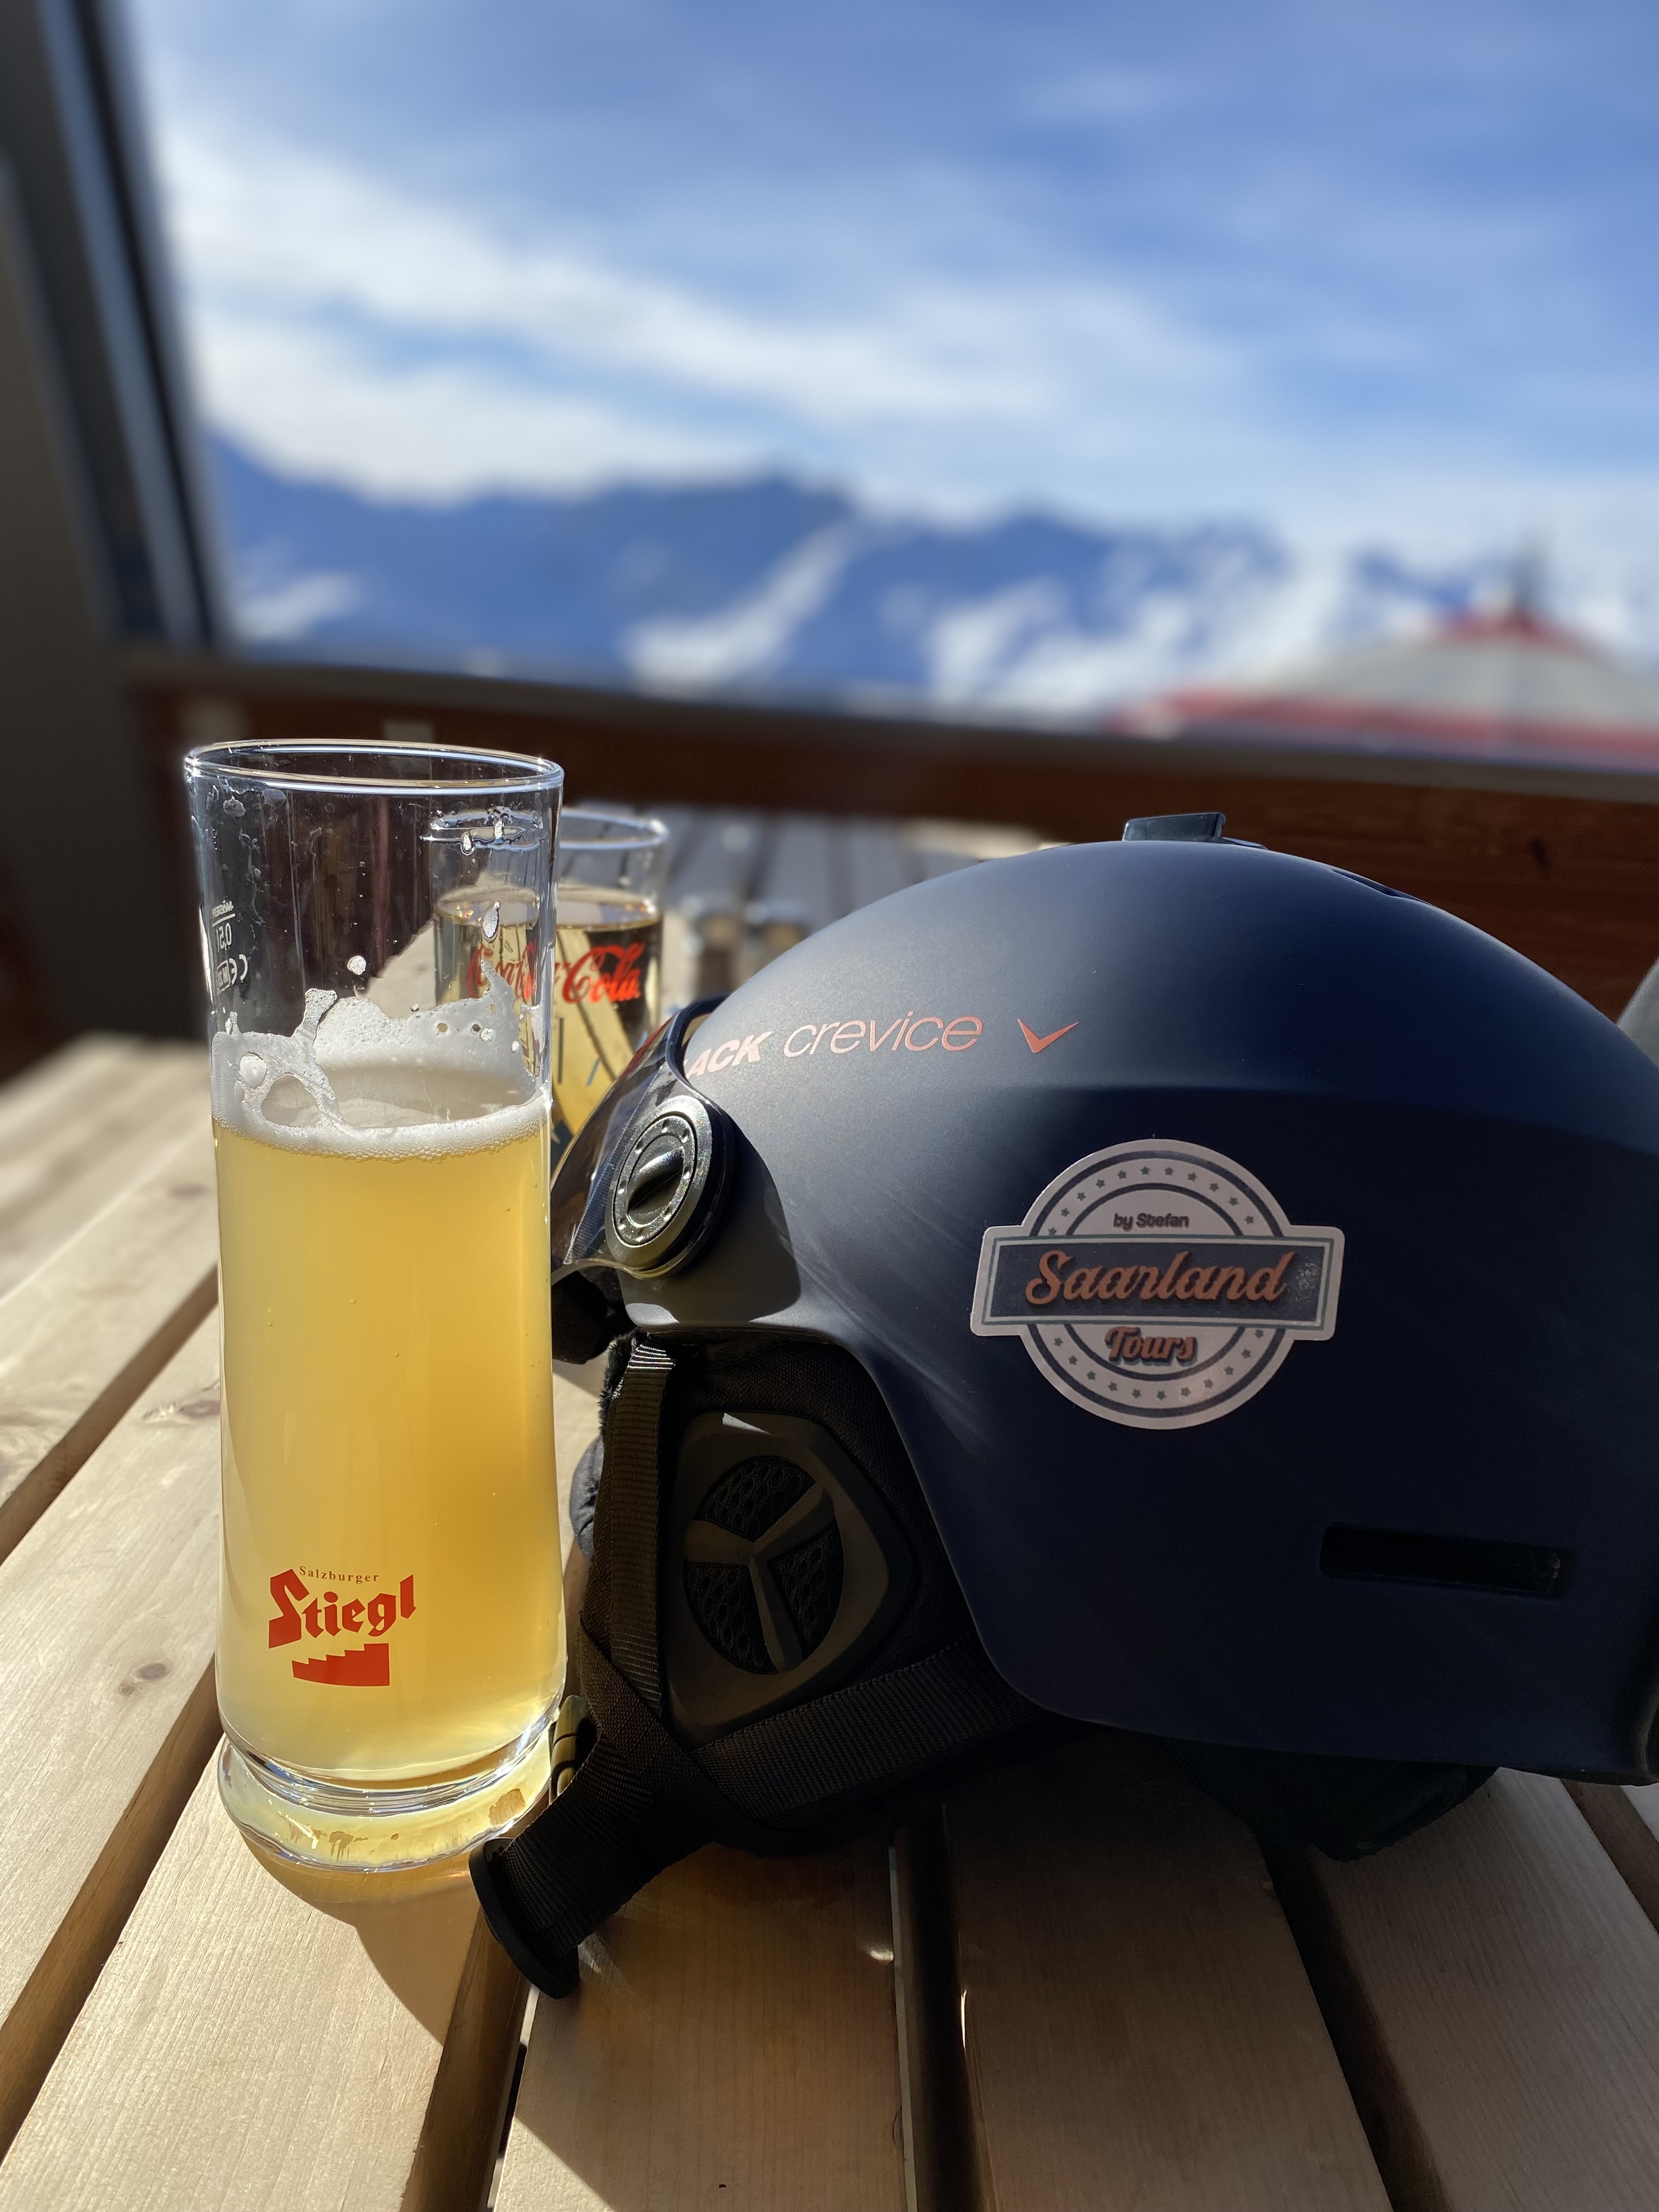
(782, 1568)
(796, 1547)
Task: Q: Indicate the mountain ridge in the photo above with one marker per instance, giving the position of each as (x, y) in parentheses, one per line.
(767, 585)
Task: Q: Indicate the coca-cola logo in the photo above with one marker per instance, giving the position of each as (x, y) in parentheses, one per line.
(518, 975)
(1157, 1284)
(606, 974)
(325, 1615)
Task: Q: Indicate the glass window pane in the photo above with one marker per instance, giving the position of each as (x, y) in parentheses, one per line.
(1043, 361)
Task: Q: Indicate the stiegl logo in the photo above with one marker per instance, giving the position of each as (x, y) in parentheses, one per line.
(1157, 1284)
(367, 1667)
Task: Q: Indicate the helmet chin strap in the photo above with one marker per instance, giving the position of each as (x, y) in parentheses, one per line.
(615, 1826)
(641, 1800)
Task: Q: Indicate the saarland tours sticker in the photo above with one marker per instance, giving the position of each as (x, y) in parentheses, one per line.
(1157, 1283)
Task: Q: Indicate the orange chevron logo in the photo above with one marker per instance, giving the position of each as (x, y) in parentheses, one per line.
(1042, 1043)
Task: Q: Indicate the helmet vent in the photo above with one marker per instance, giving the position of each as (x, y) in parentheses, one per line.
(754, 1494)
(722, 1602)
(763, 1565)
(809, 1579)
(1403, 1555)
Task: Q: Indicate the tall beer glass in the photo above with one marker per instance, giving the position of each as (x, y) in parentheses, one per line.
(390, 1642)
(607, 990)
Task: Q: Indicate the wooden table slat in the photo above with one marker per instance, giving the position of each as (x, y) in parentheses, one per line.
(801, 870)
(1138, 2028)
(733, 2044)
(1493, 1986)
(95, 1323)
(249, 2046)
(106, 1624)
(1626, 1824)
(721, 861)
(879, 862)
(29, 1101)
(81, 1144)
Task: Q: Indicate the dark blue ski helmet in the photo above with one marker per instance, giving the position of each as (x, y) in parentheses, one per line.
(1216, 1297)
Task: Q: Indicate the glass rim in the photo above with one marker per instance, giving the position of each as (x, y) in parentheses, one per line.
(280, 767)
(645, 833)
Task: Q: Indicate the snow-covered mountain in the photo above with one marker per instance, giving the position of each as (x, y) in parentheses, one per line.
(769, 584)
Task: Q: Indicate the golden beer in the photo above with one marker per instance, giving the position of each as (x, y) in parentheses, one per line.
(605, 993)
(390, 1598)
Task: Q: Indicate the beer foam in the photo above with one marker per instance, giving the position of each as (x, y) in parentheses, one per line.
(356, 1083)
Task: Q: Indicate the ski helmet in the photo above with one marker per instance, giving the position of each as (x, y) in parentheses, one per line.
(1168, 1284)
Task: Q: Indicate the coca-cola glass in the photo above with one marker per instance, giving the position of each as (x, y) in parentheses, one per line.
(607, 986)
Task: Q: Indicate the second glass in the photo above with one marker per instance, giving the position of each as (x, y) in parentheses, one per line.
(607, 985)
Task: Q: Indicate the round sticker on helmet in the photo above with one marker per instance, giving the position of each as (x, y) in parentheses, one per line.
(1157, 1283)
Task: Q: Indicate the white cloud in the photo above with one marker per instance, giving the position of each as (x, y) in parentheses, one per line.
(299, 233)
(1602, 520)
(314, 401)
(348, 326)
(404, 343)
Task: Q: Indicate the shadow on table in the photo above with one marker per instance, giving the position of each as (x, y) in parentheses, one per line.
(423, 1934)
(415, 1926)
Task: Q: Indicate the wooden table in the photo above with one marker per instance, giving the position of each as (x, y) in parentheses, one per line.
(1078, 1986)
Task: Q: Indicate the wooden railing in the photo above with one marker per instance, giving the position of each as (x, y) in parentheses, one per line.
(1564, 865)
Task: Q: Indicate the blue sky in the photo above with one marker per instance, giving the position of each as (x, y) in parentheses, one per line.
(1352, 270)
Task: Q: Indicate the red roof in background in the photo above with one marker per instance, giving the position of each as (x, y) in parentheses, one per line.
(1510, 685)
(1522, 623)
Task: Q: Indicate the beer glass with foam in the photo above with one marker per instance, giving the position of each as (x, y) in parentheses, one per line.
(607, 989)
(390, 1640)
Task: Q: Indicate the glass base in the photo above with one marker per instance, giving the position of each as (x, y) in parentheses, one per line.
(325, 1824)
